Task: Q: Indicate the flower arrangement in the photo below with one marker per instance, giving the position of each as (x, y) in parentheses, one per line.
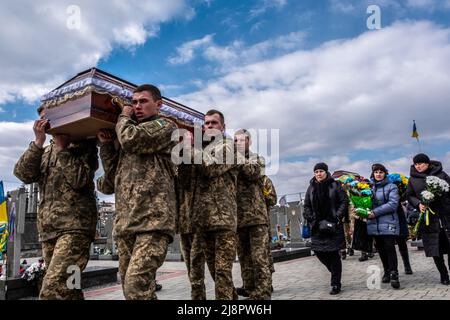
(35, 271)
(401, 181)
(360, 194)
(435, 188)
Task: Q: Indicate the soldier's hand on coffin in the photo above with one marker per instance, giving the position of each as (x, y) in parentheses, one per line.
(39, 132)
(128, 111)
(106, 135)
(62, 141)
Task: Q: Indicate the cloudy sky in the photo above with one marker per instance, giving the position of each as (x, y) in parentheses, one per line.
(337, 90)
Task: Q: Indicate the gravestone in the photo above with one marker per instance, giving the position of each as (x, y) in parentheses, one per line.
(18, 207)
(31, 247)
(294, 216)
(273, 221)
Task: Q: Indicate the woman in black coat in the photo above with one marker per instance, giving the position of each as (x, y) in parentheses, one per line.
(326, 201)
(435, 236)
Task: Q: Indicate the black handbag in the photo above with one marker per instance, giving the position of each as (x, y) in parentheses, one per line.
(327, 227)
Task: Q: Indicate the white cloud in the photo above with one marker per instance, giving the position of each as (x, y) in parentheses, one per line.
(39, 51)
(265, 5)
(185, 53)
(398, 7)
(345, 96)
(237, 53)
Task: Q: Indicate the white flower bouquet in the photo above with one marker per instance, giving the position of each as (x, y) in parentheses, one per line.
(435, 188)
(34, 272)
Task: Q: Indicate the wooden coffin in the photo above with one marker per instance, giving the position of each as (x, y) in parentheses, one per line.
(83, 117)
(85, 104)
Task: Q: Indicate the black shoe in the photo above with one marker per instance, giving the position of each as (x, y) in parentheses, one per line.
(445, 279)
(242, 292)
(351, 252)
(408, 270)
(371, 255)
(395, 283)
(386, 277)
(335, 290)
(343, 254)
(158, 287)
(363, 257)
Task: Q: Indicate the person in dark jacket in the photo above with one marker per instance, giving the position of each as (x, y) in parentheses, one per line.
(436, 235)
(383, 224)
(326, 204)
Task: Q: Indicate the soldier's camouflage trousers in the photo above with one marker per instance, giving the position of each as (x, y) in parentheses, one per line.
(269, 254)
(194, 258)
(348, 237)
(70, 249)
(140, 256)
(219, 248)
(254, 260)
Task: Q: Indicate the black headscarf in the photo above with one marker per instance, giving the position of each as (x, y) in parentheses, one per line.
(321, 197)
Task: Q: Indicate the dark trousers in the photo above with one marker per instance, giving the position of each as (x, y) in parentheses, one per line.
(386, 249)
(332, 260)
(444, 246)
(401, 241)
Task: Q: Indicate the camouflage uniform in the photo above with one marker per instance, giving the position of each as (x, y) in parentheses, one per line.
(270, 197)
(67, 215)
(252, 229)
(55, 253)
(193, 254)
(139, 170)
(348, 223)
(214, 213)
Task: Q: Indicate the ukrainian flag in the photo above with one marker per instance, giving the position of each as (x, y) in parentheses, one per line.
(415, 134)
(3, 221)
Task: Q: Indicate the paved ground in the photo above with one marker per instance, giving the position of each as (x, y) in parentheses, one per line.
(306, 279)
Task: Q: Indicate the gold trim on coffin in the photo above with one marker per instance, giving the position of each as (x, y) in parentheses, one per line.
(77, 95)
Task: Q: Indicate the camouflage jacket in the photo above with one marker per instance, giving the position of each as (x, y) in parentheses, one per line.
(270, 194)
(140, 172)
(187, 181)
(66, 187)
(251, 205)
(215, 206)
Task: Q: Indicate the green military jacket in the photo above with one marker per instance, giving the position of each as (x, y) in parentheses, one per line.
(270, 194)
(66, 187)
(140, 172)
(251, 205)
(215, 206)
(187, 181)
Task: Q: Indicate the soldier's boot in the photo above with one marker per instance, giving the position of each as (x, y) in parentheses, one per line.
(395, 283)
(242, 292)
(406, 263)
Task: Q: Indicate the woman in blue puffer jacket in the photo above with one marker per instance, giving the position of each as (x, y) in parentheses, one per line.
(383, 223)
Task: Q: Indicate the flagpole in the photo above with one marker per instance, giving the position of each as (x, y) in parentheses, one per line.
(420, 147)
